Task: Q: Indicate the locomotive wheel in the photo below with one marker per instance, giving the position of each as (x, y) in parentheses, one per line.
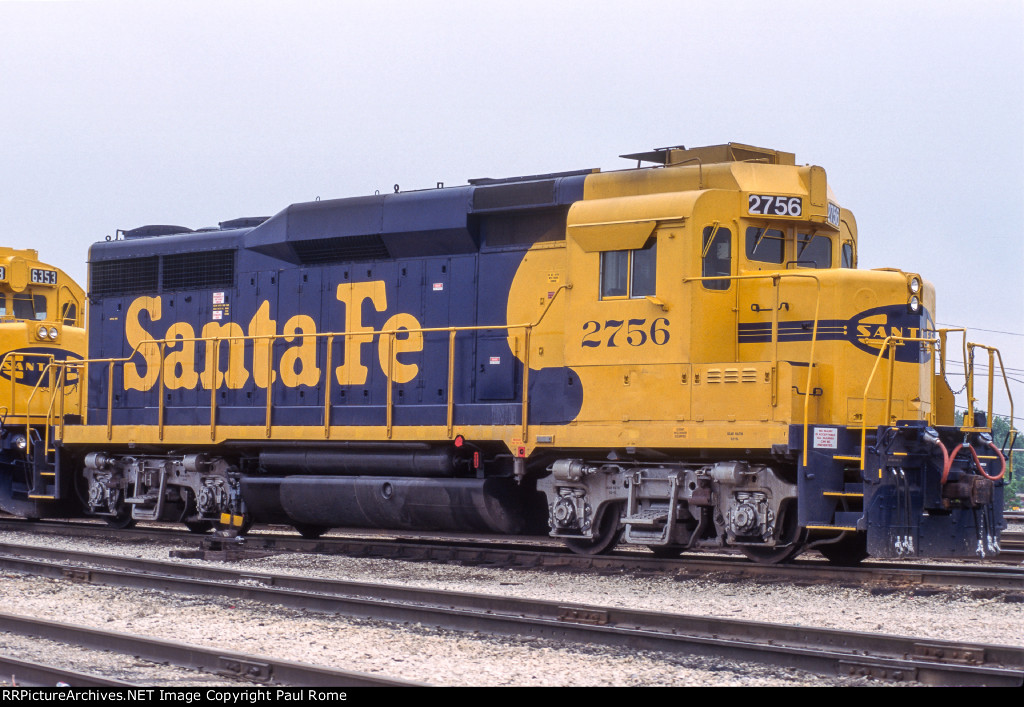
(122, 521)
(309, 531)
(608, 533)
(849, 551)
(200, 526)
(784, 553)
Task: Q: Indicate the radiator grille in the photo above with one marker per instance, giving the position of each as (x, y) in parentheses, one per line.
(196, 271)
(121, 277)
(341, 249)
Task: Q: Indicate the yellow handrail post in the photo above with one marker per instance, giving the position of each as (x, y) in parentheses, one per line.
(51, 370)
(991, 385)
(110, 400)
(810, 365)
(388, 378)
(1009, 396)
(892, 380)
(214, 370)
(932, 415)
(969, 372)
(160, 387)
(451, 383)
(526, 382)
(83, 375)
(327, 388)
(14, 406)
(777, 286)
(63, 384)
(270, 377)
(864, 409)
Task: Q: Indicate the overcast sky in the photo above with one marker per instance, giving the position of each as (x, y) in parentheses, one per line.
(120, 114)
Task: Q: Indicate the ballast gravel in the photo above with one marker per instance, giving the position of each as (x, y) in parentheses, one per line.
(431, 655)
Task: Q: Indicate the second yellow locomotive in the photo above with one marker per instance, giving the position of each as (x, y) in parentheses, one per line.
(41, 327)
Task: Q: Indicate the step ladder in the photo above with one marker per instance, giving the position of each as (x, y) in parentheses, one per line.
(851, 496)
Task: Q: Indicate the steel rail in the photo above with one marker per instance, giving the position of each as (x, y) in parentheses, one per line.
(506, 552)
(25, 673)
(253, 668)
(823, 651)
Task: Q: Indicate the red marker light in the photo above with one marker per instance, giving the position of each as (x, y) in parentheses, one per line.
(459, 440)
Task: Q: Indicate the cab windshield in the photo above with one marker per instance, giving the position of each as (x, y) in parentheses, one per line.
(813, 251)
(779, 246)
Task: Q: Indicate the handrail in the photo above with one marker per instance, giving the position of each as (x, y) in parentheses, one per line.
(11, 358)
(776, 277)
(56, 371)
(992, 354)
(268, 340)
(891, 342)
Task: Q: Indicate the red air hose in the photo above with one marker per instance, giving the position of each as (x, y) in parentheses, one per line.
(948, 462)
(1002, 462)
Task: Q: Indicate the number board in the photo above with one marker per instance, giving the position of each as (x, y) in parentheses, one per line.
(833, 214)
(766, 205)
(44, 277)
(3, 272)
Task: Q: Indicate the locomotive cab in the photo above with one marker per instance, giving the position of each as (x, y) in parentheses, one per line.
(730, 352)
(41, 328)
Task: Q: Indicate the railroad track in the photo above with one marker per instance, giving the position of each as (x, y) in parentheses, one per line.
(537, 553)
(823, 651)
(251, 669)
(24, 673)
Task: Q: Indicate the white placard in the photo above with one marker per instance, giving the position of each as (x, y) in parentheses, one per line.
(826, 438)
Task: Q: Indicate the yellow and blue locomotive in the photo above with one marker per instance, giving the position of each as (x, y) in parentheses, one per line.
(41, 326)
(681, 355)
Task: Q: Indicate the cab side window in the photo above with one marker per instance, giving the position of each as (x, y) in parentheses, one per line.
(847, 256)
(69, 314)
(717, 257)
(643, 270)
(629, 273)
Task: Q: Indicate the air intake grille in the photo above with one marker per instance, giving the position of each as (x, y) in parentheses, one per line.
(197, 271)
(121, 277)
(342, 249)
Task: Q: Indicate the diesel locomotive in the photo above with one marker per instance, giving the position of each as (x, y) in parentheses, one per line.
(682, 355)
(42, 321)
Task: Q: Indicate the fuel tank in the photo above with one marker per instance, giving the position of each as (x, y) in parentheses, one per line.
(494, 505)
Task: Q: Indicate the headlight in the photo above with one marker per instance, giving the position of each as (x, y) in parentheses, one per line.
(20, 442)
(915, 304)
(42, 333)
(915, 286)
(53, 333)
